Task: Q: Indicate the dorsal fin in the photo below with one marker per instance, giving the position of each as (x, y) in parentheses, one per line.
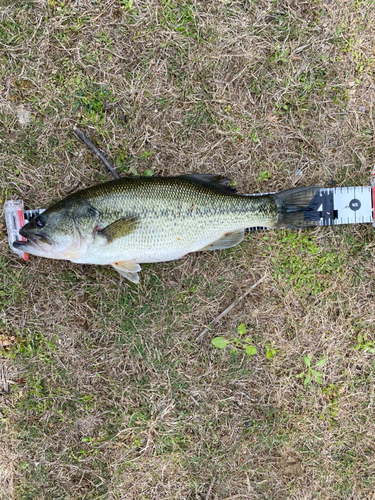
(215, 181)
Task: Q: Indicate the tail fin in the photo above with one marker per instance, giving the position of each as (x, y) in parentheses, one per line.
(297, 207)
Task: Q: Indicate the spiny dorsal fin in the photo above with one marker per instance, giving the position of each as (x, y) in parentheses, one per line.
(227, 241)
(215, 181)
(120, 228)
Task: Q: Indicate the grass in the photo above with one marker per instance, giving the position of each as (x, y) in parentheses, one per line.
(104, 391)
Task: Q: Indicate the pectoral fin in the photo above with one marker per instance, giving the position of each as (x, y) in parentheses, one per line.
(120, 228)
(128, 269)
(227, 241)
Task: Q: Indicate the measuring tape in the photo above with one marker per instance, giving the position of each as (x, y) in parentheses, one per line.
(332, 206)
(345, 205)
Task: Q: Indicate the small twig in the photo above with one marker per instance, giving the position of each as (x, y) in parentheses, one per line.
(373, 130)
(6, 381)
(235, 497)
(229, 308)
(98, 153)
(210, 488)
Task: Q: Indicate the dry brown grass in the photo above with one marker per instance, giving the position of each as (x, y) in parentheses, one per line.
(105, 393)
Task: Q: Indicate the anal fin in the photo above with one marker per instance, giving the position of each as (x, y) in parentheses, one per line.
(227, 241)
(128, 269)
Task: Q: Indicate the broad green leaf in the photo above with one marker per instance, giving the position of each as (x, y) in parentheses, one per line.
(308, 378)
(250, 350)
(321, 361)
(300, 375)
(241, 329)
(220, 342)
(270, 353)
(317, 376)
(307, 360)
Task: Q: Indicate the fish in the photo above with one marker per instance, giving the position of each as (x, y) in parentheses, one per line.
(135, 220)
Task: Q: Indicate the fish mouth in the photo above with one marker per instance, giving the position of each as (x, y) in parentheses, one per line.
(31, 241)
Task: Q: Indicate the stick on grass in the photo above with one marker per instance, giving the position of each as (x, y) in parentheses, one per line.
(98, 153)
(229, 308)
(210, 488)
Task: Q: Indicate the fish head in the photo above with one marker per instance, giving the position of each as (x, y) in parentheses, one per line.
(63, 231)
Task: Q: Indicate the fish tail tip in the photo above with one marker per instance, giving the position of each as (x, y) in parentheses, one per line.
(297, 207)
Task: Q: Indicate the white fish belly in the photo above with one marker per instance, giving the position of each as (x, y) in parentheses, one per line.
(151, 245)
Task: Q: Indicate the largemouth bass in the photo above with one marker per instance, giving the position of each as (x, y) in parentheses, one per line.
(131, 221)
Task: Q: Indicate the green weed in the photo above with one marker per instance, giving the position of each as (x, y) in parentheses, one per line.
(280, 54)
(271, 352)
(240, 342)
(311, 373)
(305, 266)
(91, 100)
(34, 345)
(264, 175)
(331, 395)
(365, 344)
(128, 6)
(180, 18)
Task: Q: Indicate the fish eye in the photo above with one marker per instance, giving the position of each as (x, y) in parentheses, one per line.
(40, 222)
